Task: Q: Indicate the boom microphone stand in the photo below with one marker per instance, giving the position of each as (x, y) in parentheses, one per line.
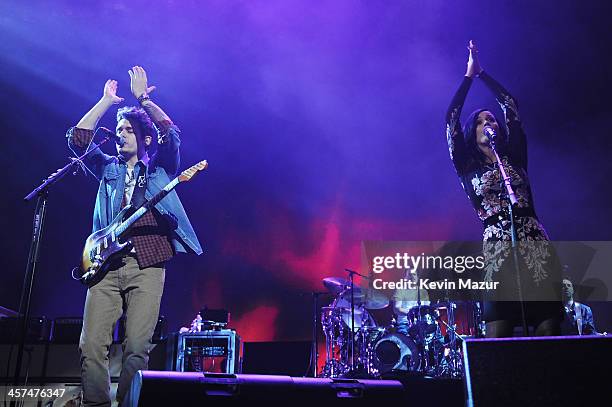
(506, 181)
(41, 193)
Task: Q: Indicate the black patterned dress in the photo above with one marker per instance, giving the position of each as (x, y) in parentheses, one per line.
(484, 187)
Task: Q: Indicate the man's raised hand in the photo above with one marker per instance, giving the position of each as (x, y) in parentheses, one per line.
(138, 82)
(110, 92)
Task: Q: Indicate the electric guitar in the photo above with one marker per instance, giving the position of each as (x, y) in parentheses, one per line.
(100, 246)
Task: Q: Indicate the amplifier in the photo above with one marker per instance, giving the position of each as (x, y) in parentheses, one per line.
(159, 334)
(277, 358)
(66, 330)
(212, 351)
(37, 329)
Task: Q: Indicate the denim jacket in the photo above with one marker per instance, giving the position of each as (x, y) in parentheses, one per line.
(111, 171)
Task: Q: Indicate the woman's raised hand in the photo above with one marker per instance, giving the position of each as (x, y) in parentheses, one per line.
(473, 64)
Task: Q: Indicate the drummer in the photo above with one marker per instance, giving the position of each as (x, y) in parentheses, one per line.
(404, 300)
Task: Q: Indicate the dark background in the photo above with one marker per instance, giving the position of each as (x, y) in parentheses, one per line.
(323, 123)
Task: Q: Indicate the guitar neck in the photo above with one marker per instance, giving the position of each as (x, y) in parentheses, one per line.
(125, 225)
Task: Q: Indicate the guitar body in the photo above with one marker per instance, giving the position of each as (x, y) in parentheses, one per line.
(99, 247)
(102, 245)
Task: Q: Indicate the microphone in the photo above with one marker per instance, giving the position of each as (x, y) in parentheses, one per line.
(490, 133)
(112, 136)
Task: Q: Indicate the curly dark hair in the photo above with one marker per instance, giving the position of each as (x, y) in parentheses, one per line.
(477, 157)
(139, 119)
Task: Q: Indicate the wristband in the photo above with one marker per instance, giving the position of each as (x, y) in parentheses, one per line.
(143, 97)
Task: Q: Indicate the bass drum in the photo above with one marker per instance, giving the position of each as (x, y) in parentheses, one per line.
(396, 351)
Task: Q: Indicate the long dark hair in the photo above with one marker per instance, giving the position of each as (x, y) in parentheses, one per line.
(476, 158)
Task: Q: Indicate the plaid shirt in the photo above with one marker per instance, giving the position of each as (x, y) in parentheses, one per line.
(150, 240)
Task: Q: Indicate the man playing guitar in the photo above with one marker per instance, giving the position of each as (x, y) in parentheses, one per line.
(132, 281)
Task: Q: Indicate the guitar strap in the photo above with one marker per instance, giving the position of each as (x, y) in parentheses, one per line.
(578, 310)
(138, 196)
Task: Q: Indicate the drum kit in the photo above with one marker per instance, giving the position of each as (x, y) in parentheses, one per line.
(421, 337)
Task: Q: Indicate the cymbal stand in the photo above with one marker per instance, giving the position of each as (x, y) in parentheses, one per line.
(454, 356)
(352, 335)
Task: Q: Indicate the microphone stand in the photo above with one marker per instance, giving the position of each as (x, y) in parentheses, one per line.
(41, 193)
(507, 183)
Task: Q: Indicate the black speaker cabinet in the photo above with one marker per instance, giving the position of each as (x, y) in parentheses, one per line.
(58, 362)
(37, 329)
(151, 388)
(280, 358)
(538, 371)
(63, 362)
(66, 330)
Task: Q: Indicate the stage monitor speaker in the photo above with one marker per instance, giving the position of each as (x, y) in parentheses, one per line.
(279, 358)
(538, 371)
(150, 388)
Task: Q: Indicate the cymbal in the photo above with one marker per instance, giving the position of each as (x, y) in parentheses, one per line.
(335, 285)
(368, 298)
(358, 295)
(375, 300)
(445, 304)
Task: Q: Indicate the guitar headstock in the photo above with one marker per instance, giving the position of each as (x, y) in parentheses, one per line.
(193, 170)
